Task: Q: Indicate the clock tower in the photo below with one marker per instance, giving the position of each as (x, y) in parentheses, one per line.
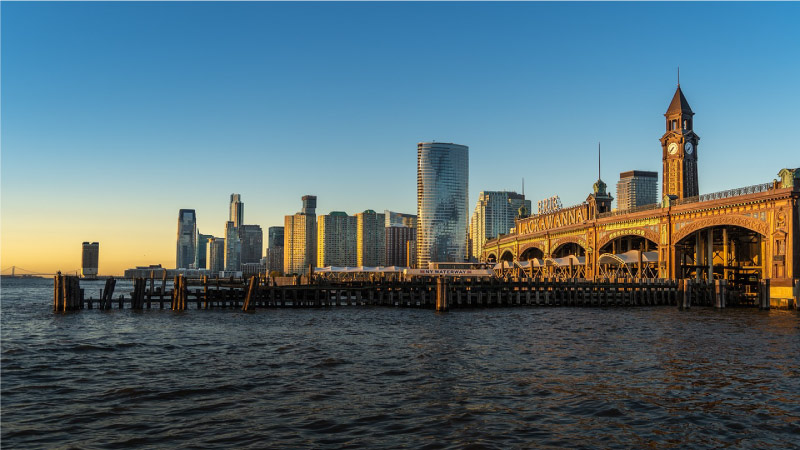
(679, 147)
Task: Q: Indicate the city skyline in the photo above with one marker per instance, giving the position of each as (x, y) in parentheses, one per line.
(539, 120)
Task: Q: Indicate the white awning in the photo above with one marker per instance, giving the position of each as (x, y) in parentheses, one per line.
(627, 258)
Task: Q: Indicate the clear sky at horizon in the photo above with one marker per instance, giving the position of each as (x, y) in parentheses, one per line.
(116, 115)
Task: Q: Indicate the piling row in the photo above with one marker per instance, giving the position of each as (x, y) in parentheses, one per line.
(437, 293)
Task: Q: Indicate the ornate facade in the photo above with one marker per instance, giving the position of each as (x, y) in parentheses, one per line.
(742, 234)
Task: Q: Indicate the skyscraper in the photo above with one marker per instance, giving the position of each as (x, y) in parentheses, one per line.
(216, 255)
(636, 188)
(442, 202)
(397, 245)
(300, 238)
(90, 259)
(275, 249)
(252, 238)
(401, 231)
(237, 210)
(494, 214)
(187, 238)
(336, 240)
(371, 239)
(201, 254)
(233, 248)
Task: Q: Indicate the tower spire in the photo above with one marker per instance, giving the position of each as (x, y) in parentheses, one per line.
(598, 161)
(679, 76)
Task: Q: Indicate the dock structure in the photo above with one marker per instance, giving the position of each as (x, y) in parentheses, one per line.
(436, 293)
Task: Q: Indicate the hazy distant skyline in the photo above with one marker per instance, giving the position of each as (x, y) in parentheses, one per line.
(117, 115)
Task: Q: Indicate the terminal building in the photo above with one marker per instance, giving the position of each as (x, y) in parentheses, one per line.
(741, 235)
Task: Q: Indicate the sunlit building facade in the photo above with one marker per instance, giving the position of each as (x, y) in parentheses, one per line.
(494, 214)
(371, 239)
(336, 240)
(442, 202)
(187, 238)
(237, 210)
(300, 238)
(90, 259)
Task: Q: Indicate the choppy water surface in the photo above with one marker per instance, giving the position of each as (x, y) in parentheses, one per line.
(382, 377)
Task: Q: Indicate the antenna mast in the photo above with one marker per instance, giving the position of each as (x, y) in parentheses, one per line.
(598, 161)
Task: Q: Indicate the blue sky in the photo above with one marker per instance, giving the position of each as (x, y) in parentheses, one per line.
(116, 115)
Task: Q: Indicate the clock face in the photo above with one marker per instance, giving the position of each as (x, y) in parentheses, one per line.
(689, 148)
(673, 148)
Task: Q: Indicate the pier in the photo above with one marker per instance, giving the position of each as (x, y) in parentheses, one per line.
(435, 293)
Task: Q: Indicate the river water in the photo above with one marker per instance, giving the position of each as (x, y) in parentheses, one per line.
(380, 377)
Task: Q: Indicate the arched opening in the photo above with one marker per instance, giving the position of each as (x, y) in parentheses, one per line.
(726, 252)
(492, 258)
(531, 253)
(570, 248)
(625, 244)
(507, 256)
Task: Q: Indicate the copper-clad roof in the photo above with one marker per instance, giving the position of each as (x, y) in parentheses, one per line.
(679, 104)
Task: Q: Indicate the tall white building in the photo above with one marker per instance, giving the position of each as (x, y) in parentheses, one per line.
(336, 240)
(300, 238)
(636, 188)
(494, 214)
(442, 202)
(371, 239)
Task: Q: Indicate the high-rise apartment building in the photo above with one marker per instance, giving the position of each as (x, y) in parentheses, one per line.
(252, 241)
(216, 255)
(494, 214)
(90, 259)
(636, 188)
(187, 238)
(233, 248)
(237, 210)
(275, 249)
(371, 239)
(401, 230)
(336, 240)
(201, 254)
(300, 238)
(442, 202)
(398, 248)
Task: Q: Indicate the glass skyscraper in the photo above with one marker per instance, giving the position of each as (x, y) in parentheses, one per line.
(237, 210)
(187, 238)
(442, 202)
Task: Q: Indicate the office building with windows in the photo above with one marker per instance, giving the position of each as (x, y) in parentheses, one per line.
(187, 238)
(275, 249)
(371, 239)
(90, 259)
(252, 243)
(336, 240)
(216, 255)
(494, 214)
(636, 188)
(300, 238)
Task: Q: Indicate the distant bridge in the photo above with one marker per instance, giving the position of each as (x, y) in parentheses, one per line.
(15, 271)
